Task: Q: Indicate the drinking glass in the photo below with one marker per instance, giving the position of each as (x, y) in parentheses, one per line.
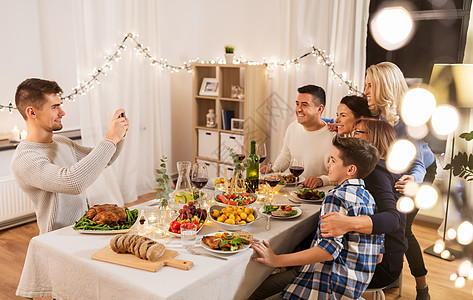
(188, 234)
(261, 151)
(199, 176)
(297, 167)
(241, 153)
(272, 179)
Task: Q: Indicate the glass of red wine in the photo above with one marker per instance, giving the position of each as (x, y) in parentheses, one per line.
(261, 151)
(199, 176)
(241, 153)
(272, 179)
(297, 167)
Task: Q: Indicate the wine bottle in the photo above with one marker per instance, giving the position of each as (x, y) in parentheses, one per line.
(252, 173)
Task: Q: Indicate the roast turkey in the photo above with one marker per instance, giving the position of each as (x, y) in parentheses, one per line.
(109, 214)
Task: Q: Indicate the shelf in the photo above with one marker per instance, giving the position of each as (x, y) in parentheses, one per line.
(232, 99)
(198, 97)
(232, 132)
(207, 128)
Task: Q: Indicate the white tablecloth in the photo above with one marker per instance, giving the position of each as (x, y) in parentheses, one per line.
(58, 264)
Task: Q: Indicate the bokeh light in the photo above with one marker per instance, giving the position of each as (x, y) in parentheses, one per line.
(460, 282)
(411, 188)
(418, 132)
(444, 119)
(400, 156)
(392, 27)
(417, 107)
(439, 246)
(426, 196)
(465, 233)
(453, 276)
(445, 254)
(405, 204)
(451, 234)
(464, 268)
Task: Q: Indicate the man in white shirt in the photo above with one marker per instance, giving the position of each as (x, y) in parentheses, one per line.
(309, 137)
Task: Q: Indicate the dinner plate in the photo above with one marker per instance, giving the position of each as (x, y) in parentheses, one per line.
(206, 247)
(119, 231)
(293, 194)
(301, 179)
(299, 212)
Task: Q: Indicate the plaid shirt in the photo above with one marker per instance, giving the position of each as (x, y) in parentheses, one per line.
(354, 254)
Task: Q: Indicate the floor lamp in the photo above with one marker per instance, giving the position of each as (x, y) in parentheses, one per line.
(451, 84)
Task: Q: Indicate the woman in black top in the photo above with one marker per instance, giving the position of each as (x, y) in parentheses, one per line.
(387, 220)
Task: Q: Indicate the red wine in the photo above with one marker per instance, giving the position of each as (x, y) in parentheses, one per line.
(273, 181)
(241, 157)
(261, 159)
(296, 171)
(200, 182)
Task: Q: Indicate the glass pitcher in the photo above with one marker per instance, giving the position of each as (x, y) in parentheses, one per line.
(183, 193)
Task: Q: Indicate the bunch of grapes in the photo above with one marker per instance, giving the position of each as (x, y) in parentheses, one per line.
(189, 212)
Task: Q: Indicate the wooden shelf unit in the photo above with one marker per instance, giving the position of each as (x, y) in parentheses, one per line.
(251, 108)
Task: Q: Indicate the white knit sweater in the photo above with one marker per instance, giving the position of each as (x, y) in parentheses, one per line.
(54, 176)
(315, 148)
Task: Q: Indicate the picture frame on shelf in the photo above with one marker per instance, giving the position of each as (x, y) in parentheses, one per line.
(237, 124)
(209, 87)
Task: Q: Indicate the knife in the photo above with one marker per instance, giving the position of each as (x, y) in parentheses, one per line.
(193, 252)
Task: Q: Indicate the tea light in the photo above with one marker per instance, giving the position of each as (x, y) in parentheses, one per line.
(23, 134)
(15, 134)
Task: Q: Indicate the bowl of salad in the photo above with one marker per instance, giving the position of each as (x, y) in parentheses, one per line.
(235, 199)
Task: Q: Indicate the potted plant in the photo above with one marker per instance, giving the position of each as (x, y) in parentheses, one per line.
(462, 163)
(229, 52)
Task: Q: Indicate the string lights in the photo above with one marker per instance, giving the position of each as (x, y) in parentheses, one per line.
(83, 87)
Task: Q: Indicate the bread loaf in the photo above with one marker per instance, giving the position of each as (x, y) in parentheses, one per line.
(120, 244)
(144, 247)
(155, 251)
(113, 242)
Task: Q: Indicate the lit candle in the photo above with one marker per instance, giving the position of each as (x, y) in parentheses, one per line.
(23, 134)
(15, 134)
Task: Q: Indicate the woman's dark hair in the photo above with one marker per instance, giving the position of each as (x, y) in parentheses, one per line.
(358, 105)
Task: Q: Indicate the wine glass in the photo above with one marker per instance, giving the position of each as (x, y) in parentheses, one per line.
(297, 167)
(199, 176)
(241, 153)
(272, 179)
(261, 151)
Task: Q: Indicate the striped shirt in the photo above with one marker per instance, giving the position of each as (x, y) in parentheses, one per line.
(354, 254)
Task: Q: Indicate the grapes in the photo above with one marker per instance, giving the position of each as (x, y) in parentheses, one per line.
(190, 203)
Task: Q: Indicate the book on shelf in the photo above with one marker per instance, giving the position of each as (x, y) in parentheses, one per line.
(227, 116)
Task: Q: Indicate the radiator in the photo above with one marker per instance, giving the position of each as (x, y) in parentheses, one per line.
(15, 208)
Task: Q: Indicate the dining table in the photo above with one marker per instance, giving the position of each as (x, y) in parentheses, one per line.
(59, 263)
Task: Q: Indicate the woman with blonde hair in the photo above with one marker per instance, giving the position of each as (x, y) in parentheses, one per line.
(388, 220)
(385, 87)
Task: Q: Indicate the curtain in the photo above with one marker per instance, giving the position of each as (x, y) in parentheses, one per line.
(133, 85)
(340, 28)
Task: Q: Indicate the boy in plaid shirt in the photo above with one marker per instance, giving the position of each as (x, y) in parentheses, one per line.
(333, 268)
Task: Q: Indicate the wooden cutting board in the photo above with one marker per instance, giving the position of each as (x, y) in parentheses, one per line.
(127, 259)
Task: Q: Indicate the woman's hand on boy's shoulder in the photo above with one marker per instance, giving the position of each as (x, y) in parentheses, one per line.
(334, 224)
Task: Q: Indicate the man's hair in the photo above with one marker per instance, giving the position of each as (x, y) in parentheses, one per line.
(32, 91)
(318, 93)
(381, 134)
(358, 152)
(358, 105)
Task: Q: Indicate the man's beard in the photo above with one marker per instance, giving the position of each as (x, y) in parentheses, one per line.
(57, 127)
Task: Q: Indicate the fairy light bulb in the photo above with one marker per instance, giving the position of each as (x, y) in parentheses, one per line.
(453, 276)
(460, 282)
(405, 204)
(439, 246)
(392, 27)
(445, 119)
(465, 233)
(464, 268)
(426, 196)
(400, 156)
(417, 107)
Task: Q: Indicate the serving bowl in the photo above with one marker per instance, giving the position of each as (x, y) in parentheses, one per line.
(232, 227)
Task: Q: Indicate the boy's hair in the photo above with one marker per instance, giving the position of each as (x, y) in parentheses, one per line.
(381, 134)
(318, 93)
(31, 92)
(358, 152)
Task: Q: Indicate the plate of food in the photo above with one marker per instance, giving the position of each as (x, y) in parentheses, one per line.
(188, 214)
(281, 211)
(236, 199)
(233, 217)
(309, 195)
(106, 219)
(227, 243)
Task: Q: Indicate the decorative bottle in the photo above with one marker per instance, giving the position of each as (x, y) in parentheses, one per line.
(252, 173)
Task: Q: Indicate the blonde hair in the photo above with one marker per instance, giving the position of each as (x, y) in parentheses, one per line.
(389, 86)
(381, 134)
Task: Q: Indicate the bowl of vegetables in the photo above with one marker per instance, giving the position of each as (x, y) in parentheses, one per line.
(235, 199)
(233, 218)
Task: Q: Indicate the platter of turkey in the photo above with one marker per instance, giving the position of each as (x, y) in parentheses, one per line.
(106, 219)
